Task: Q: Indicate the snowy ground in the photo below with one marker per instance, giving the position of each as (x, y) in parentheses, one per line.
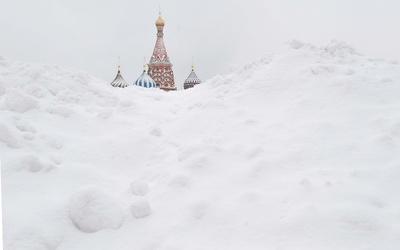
(299, 150)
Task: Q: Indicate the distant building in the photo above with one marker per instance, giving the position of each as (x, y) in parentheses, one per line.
(160, 68)
(191, 80)
(159, 73)
(119, 80)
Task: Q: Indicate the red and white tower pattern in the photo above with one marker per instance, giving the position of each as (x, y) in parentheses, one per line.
(160, 68)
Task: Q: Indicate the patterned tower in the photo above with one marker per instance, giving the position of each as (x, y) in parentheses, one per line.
(191, 80)
(160, 68)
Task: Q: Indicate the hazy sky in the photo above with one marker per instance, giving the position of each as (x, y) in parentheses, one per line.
(89, 35)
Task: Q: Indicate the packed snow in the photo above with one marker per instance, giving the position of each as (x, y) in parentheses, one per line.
(299, 150)
(92, 209)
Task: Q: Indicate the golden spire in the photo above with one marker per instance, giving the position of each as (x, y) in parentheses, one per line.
(192, 63)
(144, 63)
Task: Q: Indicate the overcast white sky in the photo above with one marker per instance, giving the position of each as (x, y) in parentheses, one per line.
(89, 35)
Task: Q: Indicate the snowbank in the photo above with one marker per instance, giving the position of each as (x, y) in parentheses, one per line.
(298, 150)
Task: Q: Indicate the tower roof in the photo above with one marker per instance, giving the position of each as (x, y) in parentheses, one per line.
(119, 80)
(145, 81)
(160, 21)
(192, 78)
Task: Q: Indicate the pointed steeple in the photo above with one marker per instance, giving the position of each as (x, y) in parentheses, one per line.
(119, 80)
(160, 67)
(192, 79)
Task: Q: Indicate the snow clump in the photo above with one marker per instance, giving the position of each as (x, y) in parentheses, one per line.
(20, 102)
(140, 208)
(33, 164)
(91, 209)
(7, 137)
(139, 188)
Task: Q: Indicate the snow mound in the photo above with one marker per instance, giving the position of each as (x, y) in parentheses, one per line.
(298, 150)
(91, 209)
(61, 110)
(34, 164)
(25, 126)
(340, 48)
(19, 102)
(296, 44)
(7, 137)
(140, 208)
(29, 242)
(139, 188)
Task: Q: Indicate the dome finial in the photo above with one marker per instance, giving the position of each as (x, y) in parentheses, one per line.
(119, 65)
(160, 21)
(192, 63)
(144, 63)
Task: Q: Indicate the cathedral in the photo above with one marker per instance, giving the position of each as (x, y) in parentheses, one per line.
(159, 74)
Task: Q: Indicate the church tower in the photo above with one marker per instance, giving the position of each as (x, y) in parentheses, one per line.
(160, 68)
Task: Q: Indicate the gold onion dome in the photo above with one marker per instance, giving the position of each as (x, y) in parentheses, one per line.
(160, 21)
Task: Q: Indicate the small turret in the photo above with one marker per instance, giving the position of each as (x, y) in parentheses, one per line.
(191, 80)
(119, 80)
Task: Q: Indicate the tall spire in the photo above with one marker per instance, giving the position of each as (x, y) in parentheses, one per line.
(160, 68)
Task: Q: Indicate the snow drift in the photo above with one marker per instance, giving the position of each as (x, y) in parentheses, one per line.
(298, 150)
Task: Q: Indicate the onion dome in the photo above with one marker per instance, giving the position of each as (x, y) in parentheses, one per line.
(119, 80)
(145, 80)
(160, 21)
(191, 80)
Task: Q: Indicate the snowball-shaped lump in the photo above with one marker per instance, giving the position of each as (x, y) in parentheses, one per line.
(8, 137)
(140, 208)
(139, 188)
(20, 102)
(91, 209)
(32, 163)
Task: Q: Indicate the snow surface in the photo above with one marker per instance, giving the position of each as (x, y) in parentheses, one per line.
(299, 150)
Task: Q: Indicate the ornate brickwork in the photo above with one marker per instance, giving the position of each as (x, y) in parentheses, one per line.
(191, 80)
(160, 68)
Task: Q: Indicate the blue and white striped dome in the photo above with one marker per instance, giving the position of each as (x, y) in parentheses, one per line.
(145, 81)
